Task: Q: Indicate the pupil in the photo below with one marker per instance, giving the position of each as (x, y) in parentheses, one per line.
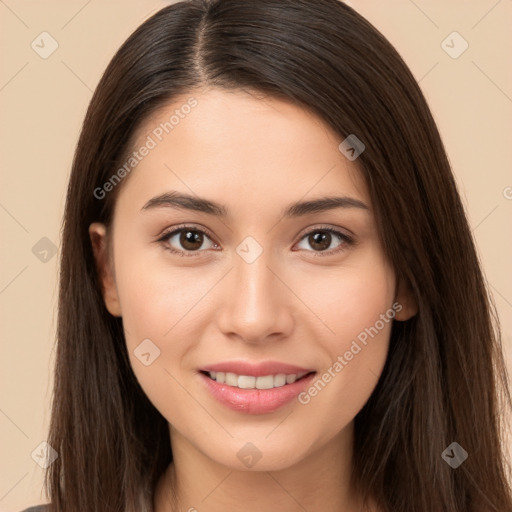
(322, 240)
(190, 239)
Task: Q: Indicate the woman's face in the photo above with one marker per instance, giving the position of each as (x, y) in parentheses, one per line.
(249, 280)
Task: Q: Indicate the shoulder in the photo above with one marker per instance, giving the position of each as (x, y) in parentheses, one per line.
(39, 508)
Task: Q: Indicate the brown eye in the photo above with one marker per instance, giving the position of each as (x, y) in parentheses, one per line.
(320, 240)
(186, 240)
(191, 240)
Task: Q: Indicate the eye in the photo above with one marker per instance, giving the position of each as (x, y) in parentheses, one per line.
(186, 239)
(190, 240)
(321, 240)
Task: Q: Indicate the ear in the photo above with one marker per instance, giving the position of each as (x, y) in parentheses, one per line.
(104, 267)
(405, 298)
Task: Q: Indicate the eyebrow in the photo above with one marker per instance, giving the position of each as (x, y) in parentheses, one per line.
(187, 202)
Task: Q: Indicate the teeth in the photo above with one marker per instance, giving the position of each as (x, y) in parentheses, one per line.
(231, 379)
(244, 381)
(251, 382)
(264, 382)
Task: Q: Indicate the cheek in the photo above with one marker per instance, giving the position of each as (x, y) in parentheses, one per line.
(154, 306)
(155, 298)
(364, 320)
(356, 358)
(357, 306)
(348, 299)
(164, 310)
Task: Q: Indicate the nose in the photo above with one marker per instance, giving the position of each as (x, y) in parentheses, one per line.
(258, 306)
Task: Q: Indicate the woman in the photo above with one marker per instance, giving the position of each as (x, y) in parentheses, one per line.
(270, 298)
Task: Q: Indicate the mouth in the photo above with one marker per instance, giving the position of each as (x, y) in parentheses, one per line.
(255, 389)
(270, 381)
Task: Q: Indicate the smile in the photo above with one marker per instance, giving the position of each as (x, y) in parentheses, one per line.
(252, 382)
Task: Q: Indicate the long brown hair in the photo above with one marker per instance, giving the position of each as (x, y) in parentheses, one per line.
(444, 380)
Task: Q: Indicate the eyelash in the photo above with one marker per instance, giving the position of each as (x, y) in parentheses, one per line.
(347, 241)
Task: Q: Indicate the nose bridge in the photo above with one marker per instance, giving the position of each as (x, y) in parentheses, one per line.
(258, 306)
(256, 286)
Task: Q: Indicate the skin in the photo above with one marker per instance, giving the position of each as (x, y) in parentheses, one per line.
(254, 155)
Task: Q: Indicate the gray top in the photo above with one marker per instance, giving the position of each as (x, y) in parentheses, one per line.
(39, 508)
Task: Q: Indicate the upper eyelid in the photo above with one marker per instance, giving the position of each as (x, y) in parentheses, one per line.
(342, 231)
(172, 231)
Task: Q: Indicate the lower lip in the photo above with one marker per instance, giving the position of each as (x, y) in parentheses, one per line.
(255, 401)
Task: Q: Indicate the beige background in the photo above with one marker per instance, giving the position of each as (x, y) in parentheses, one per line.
(43, 102)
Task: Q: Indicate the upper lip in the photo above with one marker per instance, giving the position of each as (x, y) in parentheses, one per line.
(255, 369)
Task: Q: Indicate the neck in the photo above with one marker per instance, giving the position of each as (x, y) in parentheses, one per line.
(320, 481)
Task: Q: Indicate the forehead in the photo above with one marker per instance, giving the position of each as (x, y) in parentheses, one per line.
(241, 149)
